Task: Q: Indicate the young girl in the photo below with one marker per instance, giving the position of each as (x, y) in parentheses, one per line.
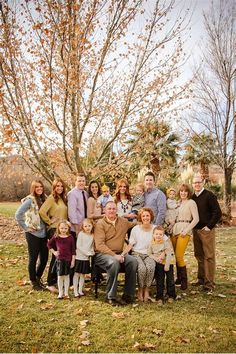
(84, 249)
(161, 250)
(62, 246)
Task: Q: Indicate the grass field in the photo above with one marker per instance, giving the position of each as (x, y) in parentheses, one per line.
(8, 208)
(37, 322)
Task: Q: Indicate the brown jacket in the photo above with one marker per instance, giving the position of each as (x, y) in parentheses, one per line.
(109, 239)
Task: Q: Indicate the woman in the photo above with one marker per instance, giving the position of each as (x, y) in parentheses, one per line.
(52, 211)
(186, 220)
(140, 239)
(27, 216)
(94, 190)
(123, 199)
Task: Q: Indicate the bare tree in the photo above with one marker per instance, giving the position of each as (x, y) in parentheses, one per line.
(78, 72)
(215, 91)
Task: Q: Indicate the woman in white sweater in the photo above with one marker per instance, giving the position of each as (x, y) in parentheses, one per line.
(186, 220)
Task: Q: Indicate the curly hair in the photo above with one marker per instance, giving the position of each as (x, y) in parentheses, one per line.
(149, 210)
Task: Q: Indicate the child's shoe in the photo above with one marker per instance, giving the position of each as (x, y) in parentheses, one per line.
(66, 297)
(160, 302)
(60, 297)
(170, 300)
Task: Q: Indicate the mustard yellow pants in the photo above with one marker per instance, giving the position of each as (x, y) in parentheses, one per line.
(180, 243)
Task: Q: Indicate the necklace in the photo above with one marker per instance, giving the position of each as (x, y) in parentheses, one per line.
(124, 206)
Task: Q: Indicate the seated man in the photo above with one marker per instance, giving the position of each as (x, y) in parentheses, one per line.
(109, 236)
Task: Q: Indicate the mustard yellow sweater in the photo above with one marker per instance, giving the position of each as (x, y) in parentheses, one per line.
(52, 212)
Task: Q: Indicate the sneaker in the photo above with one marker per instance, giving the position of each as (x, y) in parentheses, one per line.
(52, 289)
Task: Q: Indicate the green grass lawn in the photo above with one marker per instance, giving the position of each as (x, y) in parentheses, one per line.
(37, 322)
(8, 208)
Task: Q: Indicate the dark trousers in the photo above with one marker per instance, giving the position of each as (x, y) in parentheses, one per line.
(160, 276)
(52, 274)
(38, 255)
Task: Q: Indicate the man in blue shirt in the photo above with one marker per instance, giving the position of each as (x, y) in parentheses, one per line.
(154, 199)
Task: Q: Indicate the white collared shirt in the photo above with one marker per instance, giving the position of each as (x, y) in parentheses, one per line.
(198, 193)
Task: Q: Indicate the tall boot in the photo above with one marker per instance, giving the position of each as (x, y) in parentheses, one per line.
(178, 279)
(184, 278)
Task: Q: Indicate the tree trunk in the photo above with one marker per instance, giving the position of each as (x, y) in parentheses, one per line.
(227, 191)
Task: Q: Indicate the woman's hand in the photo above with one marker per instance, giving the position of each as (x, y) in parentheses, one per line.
(53, 220)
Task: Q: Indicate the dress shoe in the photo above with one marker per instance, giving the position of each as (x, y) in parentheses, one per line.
(127, 299)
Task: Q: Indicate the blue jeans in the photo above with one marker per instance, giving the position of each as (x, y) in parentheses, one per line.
(112, 267)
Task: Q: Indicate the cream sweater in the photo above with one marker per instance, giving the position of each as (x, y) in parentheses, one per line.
(187, 218)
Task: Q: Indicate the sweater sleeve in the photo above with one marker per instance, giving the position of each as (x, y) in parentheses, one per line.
(195, 217)
(43, 211)
(52, 243)
(215, 211)
(20, 213)
(169, 253)
(100, 240)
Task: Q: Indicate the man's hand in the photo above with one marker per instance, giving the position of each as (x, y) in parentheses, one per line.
(120, 258)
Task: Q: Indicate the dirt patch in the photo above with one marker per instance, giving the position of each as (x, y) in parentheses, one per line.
(10, 231)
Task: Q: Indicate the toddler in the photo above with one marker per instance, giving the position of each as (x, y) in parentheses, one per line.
(171, 210)
(84, 249)
(138, 198)
(104, 198)
(63, 247)
(162, 252)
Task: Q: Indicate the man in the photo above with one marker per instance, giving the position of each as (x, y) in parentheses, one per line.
(154, 199)
(77, 204)
(109, 236)
(204, 234)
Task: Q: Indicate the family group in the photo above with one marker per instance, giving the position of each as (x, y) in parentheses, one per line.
(143, 235)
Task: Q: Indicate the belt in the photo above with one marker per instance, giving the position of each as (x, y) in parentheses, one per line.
(183, 221)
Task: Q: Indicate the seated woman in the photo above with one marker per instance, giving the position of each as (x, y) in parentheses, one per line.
(140, 239)
(94, 191)
(53, 210)
(186, 220)
(27, 216)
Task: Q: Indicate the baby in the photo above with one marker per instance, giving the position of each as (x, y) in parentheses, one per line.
(172, 210)
(162, 252)
(104, 198)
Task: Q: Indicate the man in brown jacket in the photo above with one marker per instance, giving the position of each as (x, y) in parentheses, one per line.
(109, 236)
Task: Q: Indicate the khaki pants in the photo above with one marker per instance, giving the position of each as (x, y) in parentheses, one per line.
(204, 251)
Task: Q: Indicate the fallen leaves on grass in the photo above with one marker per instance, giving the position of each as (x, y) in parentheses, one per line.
(144, 347)
(78, 312)
(158, 332)
(118, 314)
(86, 342)
(47, 307)
(20, 307)
(22, 282)
(182, 340)
(84, 323)
(201, 336)
(221, 295)
(85, 334)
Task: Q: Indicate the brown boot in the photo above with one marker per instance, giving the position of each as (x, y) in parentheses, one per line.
(184, 278)
(178, 279)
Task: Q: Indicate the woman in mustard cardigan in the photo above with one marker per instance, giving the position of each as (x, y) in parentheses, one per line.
(51, 212)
